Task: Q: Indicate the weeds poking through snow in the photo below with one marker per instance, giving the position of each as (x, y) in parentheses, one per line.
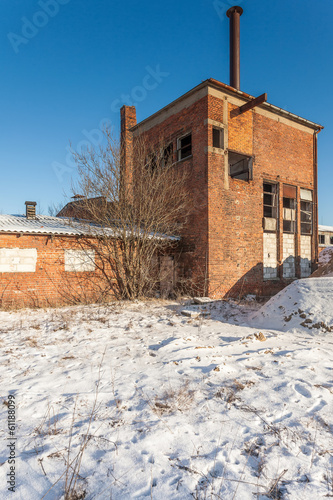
(72, 489)
(328, 477)
(172, 400)
(49, 424)
(276, 492)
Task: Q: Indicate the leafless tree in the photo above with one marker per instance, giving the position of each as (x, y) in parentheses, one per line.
(139, 213)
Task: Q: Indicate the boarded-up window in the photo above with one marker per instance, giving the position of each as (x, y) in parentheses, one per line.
(18, 260)
(79, 260)
(289, 191)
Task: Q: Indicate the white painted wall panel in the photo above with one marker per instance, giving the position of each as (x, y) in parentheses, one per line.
(289, 270)
(270, 256)
(18, 260)
(305, 256)
(79, 260)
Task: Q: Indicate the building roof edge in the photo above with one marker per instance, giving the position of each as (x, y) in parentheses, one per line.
(211, 82)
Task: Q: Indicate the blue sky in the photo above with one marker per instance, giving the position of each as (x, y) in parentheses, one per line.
(68, 65)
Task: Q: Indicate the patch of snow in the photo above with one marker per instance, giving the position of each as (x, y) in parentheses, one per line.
(186, 407)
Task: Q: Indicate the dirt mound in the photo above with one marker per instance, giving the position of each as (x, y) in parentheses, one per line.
(325, 263)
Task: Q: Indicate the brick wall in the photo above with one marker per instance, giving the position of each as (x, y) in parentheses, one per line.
(193, 258)
(282, 154)
(225, 236)
(49, 283)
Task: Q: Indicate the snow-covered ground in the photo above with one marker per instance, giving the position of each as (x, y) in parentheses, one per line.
(235, 405)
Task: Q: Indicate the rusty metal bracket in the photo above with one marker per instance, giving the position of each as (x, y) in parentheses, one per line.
(249, 105)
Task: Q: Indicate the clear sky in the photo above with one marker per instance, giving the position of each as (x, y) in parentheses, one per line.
(68, 65)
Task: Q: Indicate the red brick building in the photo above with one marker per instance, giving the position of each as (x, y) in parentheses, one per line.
(253, 178)
(51, 261)
(43, 262)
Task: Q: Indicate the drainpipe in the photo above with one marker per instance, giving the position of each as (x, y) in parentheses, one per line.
(315, 198)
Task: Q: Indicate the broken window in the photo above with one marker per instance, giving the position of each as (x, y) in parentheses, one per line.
(240, 166)
(321, 239)
(151, 162)
(184, 147)
(218, 138)
(161, 159)
(270, 206)
(289, 209)
(270, 200)
(167, 155)
(306, 211)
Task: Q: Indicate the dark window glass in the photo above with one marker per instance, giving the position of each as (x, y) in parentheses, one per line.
(218, 138)
(185, 147)
(168, 155)
(270, 200)
(289, 203)
(289, 226)
(306, 217)
(240, 166)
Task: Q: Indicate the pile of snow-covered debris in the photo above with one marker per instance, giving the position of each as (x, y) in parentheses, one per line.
(325, 267)
(306, 303)
(137, 401)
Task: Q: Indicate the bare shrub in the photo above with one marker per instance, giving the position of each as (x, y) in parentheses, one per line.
(137, 216)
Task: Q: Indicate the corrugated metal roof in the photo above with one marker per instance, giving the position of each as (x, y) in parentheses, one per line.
(45, 224)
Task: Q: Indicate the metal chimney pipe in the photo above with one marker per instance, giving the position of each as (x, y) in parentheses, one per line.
(234, 14)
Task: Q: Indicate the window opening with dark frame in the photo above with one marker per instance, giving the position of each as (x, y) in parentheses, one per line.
(270, 200)
(240, 166)
(306, 211)
(218, 138)
(331, 240)
(151, 162)
(289, 209)
(321, 239)
(161, 159)
(184, 145)
(167, 155)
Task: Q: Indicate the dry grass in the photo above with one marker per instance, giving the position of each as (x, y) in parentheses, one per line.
(49, 424)
(172, 400)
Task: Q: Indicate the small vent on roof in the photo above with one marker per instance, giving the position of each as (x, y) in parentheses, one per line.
(30, 209)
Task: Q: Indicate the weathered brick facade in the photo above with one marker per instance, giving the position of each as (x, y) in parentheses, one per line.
(224, 238)
(253, 182)
(46, 282)
(50, 261)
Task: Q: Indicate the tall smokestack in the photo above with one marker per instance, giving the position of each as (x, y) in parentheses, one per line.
(234, 14)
